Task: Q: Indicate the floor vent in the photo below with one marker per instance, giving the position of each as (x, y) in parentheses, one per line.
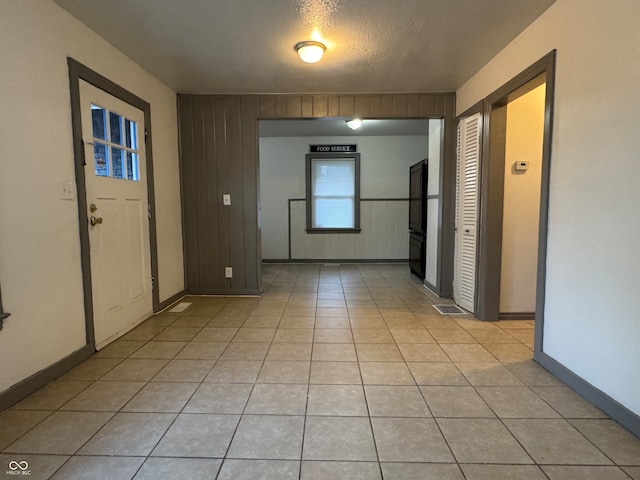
(449, 310)
(181, 307)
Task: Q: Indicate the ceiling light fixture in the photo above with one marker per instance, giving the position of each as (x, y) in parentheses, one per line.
(354, 124)
(310, 51)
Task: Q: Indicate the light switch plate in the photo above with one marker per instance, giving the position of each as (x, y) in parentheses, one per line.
(65, 190)
(226, 199)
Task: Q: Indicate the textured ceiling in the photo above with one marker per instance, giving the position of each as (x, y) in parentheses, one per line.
(246, 46)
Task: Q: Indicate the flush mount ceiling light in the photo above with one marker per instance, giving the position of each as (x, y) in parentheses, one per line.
(310, 51)
(354, 124)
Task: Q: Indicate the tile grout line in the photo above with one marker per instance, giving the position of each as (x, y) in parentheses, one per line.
(370, 283)
(306, 403)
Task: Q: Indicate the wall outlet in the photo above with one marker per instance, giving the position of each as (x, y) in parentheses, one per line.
(226, 199)
(228, 272)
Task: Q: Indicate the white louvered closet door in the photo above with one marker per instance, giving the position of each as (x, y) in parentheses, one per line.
(466, 221)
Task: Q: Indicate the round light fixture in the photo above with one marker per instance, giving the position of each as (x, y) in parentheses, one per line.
(310, 51)
(354, 124)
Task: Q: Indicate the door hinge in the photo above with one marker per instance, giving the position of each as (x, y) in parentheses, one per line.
(146, 134)
(84, 156)
(149, 210)
(153, 283)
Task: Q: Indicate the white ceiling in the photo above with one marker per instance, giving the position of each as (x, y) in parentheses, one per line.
(247, 46)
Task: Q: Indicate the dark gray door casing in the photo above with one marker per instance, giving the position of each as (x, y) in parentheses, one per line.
(492, 191)
(78, 72)
(490, 251)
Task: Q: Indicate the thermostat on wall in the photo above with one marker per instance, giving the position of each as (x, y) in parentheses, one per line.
(522, 165)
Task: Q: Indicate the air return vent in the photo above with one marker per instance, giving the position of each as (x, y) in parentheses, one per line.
(181, 307)
(449, 310)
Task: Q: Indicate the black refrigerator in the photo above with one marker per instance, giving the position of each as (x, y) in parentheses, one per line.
(418, 176)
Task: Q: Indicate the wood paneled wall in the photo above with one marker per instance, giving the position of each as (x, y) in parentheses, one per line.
(384, 234)
(219, 154)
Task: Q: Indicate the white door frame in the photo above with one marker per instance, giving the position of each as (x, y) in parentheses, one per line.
(77, 71)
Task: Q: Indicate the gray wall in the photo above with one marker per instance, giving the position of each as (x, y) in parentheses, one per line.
(219, 154)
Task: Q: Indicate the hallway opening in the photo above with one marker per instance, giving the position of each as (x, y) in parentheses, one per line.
(514, 200)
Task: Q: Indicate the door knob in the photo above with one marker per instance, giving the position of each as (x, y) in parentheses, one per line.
(95, 221)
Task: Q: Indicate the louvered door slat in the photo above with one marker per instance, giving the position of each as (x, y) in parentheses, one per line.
(466, 218)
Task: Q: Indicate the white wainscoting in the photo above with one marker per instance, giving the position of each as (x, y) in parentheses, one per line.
(384, 234)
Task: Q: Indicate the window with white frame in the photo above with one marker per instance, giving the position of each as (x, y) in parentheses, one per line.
(333, 193)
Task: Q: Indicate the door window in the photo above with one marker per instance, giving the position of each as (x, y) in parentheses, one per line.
(115, 145)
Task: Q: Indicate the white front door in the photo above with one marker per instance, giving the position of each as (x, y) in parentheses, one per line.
(117, 206)
(466, 223)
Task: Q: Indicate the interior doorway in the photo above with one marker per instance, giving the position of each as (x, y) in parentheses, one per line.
(387, 147)
(524, 131)
(516, 150)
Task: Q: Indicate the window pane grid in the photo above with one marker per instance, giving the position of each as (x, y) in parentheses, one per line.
(333, 193)
(101, 159)
(115, 145)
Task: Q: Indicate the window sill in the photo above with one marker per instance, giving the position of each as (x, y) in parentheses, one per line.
(332, 230)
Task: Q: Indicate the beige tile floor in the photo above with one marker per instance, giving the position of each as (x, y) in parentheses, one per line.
(335, 373)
